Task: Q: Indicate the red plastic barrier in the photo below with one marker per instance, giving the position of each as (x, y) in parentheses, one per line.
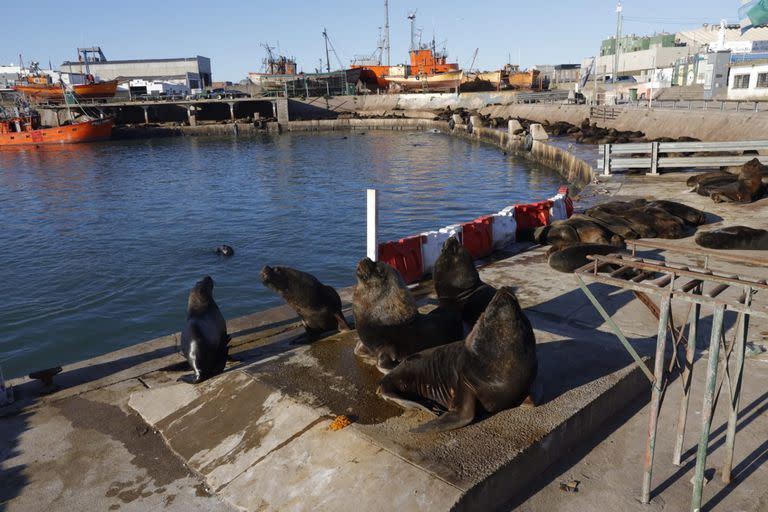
(405, 256)
(529, 216)
(477, 236)
(568, 201)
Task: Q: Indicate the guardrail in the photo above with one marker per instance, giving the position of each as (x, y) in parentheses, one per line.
(695, 104)
(656, 155)
(541, 97)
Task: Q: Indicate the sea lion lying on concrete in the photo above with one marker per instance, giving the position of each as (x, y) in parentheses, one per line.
(388, 322)
(204, 338)
(458, 284)
(575, 230)
(734, 237)
(492, 370)
(688, 214)
(746, 189)
(318, 305)
(613, 223)
(575, 256)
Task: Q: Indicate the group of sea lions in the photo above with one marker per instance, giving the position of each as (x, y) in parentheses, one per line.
(603, 229)
(721, 186)
(426, 358)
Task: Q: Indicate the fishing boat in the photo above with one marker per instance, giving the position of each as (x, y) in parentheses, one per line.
(40, 87)
(424, 82)
(21, 127)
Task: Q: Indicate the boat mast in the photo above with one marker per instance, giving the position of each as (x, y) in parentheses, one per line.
(412, 17)
(327, 57)
(386, 29)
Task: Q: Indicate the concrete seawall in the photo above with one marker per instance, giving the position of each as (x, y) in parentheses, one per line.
(576, 171)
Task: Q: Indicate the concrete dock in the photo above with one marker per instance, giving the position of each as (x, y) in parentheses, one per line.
(122, 432)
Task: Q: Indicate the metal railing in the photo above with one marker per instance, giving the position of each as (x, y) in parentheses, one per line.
(695, 104)
(659, 155)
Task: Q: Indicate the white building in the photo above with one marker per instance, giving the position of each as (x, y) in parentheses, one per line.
(748, 80)
(155, 87)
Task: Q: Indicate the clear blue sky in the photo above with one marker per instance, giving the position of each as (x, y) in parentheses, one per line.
(230, 32)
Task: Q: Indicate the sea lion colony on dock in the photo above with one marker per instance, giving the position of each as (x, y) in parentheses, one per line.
(426, 358)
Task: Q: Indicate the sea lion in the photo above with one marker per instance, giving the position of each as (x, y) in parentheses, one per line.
(458, 283)
(563, 233)
(318, 305)
(613, 223)
(707, 177)
(225, 250)
(687, 214)
(575, 256)
(204, 338)
(388, 322)
(746, 189)
(492, 370)
(734, 237)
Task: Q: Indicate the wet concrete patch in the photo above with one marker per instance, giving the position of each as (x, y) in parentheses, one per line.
(328, 376)
(147, 447)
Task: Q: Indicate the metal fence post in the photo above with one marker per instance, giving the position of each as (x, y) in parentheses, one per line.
(606, 159)
(756, 104)
(372, 225)
(738, 106)
(654, 158)
(722, 105)
(656, 392)
(707, 407)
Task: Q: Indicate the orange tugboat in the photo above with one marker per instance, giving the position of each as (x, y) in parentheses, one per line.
(19, 128)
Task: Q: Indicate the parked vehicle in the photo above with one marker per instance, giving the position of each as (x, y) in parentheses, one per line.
(220, 94)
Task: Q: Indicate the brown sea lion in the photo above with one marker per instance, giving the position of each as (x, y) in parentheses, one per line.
(688, 214)
(204, 338)
(318, 305)
(578, 230)
(388, 322)
(708, 177)
(458, 283)
(492, 370)
(734, 237)
(746, 189)
(613, 223)
(575, 256)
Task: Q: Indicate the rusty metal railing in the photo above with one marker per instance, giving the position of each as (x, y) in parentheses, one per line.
(698, 287)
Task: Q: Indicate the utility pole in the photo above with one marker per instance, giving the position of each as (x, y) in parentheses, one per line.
(618, 35)
(412, 17)
(386, 29)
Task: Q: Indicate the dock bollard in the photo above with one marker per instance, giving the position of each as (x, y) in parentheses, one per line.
(6, 393)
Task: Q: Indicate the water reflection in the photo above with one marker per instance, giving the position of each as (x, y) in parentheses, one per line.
(103, 241)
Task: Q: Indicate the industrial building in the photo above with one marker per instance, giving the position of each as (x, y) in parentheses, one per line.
(8, 76)
(192, 72)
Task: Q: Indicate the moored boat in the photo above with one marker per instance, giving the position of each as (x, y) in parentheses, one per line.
(436, 82)
(37, 88)
(23, 129)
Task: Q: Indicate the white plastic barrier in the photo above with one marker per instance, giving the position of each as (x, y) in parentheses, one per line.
(431, 246)
(453, 230)
(558, 210)
(504, 227)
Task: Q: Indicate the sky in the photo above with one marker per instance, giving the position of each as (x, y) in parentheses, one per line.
(231, 33)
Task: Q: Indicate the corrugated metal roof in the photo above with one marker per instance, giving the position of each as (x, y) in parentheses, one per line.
(134, 61)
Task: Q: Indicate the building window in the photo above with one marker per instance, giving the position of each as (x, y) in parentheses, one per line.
(741, 81)
(762, 80)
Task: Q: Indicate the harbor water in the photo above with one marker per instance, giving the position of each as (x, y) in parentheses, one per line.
(102, 242)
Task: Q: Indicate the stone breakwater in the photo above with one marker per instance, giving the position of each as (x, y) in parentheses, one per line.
(573, 169)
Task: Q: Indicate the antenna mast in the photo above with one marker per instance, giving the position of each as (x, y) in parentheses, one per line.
(386, 29)
(327, 58)
(412, 17)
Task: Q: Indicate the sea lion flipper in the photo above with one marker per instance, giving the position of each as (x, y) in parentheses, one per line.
(342, 322)
(459, 416)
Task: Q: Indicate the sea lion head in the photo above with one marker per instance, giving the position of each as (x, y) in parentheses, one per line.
(454, 270)
(201, 295)
(225, 250)
(380, 290)
(274, 277)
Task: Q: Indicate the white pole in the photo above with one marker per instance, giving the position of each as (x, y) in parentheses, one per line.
(372, 225)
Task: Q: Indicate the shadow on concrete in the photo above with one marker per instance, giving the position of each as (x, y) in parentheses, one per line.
(12, 479)
(579, 451)
(747, 415)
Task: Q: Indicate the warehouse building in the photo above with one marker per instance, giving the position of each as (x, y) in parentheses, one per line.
(192, 72)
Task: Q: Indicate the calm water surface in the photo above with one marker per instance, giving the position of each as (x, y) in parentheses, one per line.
(102, 242)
